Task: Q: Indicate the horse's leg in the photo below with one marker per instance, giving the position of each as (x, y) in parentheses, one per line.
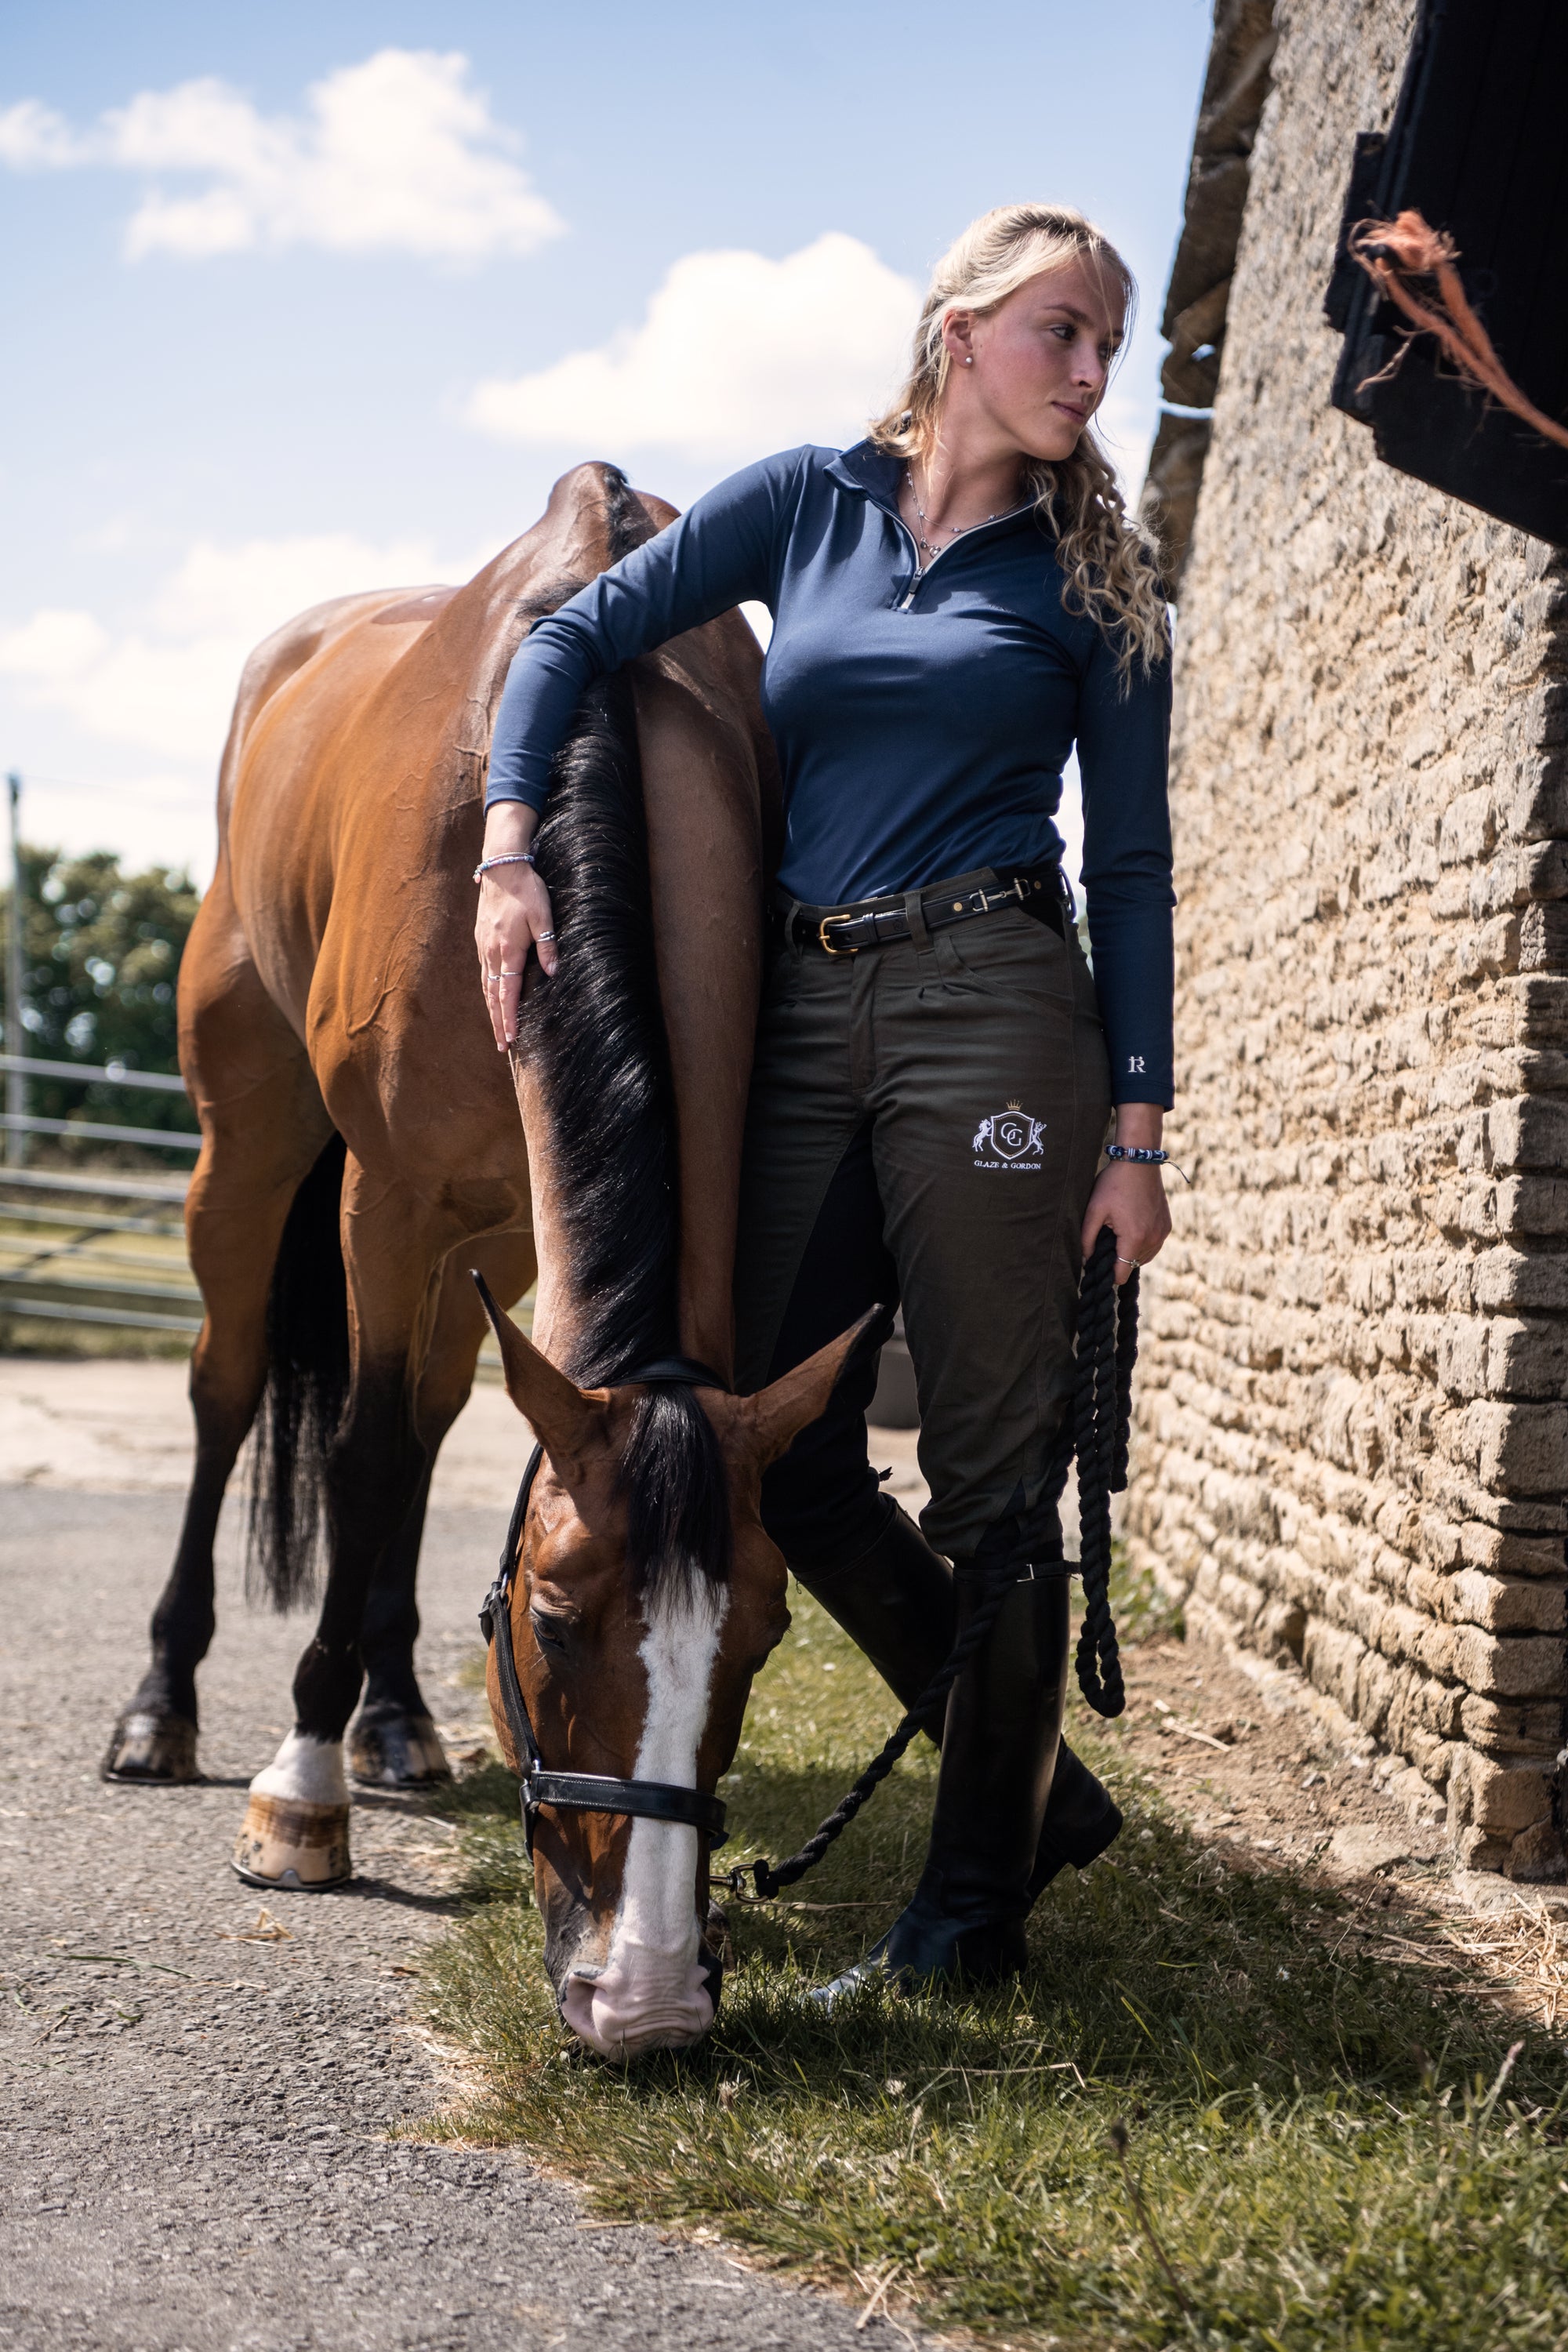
(392, 1743)
(259, 1137)
(296, 1827)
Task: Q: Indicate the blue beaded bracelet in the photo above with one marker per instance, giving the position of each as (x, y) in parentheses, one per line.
(1144, 1157)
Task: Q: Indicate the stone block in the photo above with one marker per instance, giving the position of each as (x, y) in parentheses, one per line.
(1477, 1850)
(1529, 1132)
(1507, 1553)
(1329, 1656)
(1526, 1358)
(1527, 1205)
(1539, 1004)
(1512, 1727)
(1506, 1605)
(1462, 1355)
(1520, 1448)
(1508, 1277)
(1508, 1797)
(1468, 828)
(1520, 1665)
(1537, 1855)
(1433, 1757)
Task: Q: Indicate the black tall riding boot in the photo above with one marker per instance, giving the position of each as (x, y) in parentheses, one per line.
(998, 1756)
(895, 1604)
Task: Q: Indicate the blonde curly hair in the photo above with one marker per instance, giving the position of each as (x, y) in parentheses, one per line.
(1110, 560)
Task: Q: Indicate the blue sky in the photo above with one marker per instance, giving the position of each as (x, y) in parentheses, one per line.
(312, 299)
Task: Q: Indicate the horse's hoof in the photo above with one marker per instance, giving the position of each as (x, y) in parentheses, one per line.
(287, 1844)
(148, 1747)
(390, 1748)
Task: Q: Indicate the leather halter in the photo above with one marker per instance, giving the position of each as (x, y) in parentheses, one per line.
(586, 1792)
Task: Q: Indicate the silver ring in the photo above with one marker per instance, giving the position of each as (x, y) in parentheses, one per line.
(546, 935)
(1127, 1261)
(508, 975)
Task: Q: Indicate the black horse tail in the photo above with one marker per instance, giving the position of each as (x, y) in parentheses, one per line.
(307, 1386)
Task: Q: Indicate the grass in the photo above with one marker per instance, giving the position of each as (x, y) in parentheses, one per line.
(1208, 2116)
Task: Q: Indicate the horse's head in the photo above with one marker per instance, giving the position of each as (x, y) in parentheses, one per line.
(647, 1597)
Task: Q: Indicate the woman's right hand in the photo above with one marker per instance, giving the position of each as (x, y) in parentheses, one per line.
(514, 917)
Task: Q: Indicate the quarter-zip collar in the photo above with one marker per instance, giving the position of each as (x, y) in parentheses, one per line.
(875, 475)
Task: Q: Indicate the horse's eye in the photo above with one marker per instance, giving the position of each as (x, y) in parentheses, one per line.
(552, 1633)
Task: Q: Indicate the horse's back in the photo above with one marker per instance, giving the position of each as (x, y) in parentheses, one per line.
(352, 817)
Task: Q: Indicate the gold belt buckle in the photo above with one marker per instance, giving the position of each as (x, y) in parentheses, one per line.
(825, 943)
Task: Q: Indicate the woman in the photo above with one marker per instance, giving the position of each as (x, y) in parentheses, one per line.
(956, 601)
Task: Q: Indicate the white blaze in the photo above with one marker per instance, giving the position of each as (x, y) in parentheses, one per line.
(306, 1772)
(651, 1993)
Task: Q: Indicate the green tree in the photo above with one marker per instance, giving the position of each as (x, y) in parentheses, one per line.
(101, 956)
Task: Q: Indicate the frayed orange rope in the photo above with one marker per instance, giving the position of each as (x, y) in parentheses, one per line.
(1391, 253)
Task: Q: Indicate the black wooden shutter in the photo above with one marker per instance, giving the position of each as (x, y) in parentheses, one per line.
(1479, 145)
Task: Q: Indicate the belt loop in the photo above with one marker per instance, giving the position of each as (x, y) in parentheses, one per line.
(794, 938)
(914, 914)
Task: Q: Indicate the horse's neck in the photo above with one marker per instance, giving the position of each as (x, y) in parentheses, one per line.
(700, 787)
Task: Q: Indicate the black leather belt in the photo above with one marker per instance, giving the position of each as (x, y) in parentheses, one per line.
(1036, 890)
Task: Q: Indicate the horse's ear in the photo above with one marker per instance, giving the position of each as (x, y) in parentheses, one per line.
(776, 1416)
(568, 1422)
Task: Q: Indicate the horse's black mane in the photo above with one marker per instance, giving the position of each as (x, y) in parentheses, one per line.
(595, 1038)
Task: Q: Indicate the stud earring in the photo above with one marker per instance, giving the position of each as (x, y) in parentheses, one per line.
(968, 361)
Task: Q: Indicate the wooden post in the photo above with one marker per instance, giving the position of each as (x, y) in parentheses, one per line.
(15, 1034)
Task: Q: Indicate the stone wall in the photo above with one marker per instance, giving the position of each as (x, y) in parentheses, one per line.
(1351, 1433)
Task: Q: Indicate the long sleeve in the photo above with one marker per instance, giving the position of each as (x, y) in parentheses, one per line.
(723, 551)
(1123, 743)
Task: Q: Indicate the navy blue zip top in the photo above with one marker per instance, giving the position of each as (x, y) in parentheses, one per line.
(922, 719)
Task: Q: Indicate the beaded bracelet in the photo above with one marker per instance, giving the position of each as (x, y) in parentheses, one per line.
(1144, 1157)
(508, 857)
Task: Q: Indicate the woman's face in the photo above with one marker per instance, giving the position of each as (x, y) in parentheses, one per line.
(1041, 358)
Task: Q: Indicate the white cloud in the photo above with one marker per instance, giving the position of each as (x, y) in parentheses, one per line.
(34, 138)
(165, 682)
(399, 154)
(53, 646)
(736, 354)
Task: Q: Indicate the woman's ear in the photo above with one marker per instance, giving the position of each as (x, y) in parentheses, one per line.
(958, 337)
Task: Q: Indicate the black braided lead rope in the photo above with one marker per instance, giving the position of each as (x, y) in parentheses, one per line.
(765, 1879)
(1107, 1350)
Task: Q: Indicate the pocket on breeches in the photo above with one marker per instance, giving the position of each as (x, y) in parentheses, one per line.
(1008, 954)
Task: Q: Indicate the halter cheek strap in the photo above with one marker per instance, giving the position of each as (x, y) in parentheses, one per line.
(585, 1792)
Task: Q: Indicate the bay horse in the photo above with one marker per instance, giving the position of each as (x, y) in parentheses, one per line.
(363, 1156)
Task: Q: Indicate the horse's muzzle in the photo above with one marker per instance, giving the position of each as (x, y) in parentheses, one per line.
(642, 2001)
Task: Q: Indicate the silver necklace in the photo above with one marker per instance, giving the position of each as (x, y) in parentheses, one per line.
(955, 531)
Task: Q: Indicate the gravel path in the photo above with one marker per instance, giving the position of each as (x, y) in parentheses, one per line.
(195, 2108)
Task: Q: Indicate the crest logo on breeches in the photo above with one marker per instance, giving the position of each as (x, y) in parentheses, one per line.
(1009, 1138)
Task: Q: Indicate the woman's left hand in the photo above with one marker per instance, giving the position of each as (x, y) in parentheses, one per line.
(1129, 1197)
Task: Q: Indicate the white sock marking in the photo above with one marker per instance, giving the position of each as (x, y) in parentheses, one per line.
(308, 1772)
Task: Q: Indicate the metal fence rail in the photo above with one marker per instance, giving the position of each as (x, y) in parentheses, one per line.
(15, 1121)
(171, 1188)
(134, 1319)
(66, 1259)
(165, 1138)
(108, 1074)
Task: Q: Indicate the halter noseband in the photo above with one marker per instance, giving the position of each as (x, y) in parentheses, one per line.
(586, 1792)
